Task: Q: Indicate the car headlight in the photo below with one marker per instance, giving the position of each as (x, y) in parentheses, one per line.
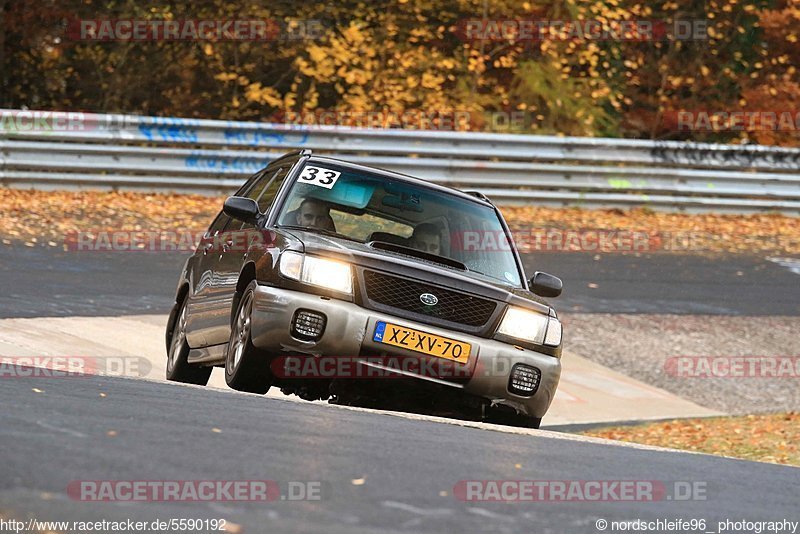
(330, 274)
(531, 326)
(553, 337)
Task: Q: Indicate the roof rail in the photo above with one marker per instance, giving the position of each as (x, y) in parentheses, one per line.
(478, 194)
(298, 152)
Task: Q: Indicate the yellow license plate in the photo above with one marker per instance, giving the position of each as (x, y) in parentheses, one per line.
(408, 338)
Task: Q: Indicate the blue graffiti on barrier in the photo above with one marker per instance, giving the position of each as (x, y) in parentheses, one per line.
(169, 129)
(232, 164)
(237, 136)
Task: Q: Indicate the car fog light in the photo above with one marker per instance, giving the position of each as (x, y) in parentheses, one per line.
(524, 380)
(308, 325)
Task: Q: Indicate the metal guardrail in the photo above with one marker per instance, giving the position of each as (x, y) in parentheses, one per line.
(191, 155)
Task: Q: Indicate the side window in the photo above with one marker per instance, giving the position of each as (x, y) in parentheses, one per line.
(263, 190)
(251, 182)
(260, 185)
(251, 189)
(271, 191)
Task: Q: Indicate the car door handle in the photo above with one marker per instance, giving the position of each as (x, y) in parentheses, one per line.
(226, 246)
(208, 246)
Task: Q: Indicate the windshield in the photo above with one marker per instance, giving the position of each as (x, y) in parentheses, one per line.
(364, 207)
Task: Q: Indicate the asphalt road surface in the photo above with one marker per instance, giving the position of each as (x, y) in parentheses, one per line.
(377, 472)
(41, 282)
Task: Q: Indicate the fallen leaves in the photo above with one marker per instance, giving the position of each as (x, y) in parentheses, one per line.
(47, 218)
(646, 230)
(773, 438)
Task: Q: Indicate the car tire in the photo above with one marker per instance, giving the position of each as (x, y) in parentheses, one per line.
(246, 368)
(509, 418)
(178, 368)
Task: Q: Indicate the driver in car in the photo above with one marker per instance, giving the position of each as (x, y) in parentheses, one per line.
(314, 213)
(426, 238)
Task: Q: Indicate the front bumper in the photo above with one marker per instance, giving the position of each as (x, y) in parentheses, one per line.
(349, 332)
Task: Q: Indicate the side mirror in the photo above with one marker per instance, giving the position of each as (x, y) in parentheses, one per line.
(241, 208)
(546, 285)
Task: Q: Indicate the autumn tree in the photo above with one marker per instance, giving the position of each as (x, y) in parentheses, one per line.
(413, 56)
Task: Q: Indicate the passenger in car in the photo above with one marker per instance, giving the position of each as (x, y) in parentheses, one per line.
(426, 237)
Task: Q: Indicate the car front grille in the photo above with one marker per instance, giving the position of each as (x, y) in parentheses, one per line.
(403, 294)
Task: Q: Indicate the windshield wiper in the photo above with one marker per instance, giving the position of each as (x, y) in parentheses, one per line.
(427, 256)
(321, 231)
(494, 278)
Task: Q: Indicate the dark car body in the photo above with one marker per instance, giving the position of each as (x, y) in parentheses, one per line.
(239, 257)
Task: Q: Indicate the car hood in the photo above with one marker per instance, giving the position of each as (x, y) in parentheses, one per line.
(362, 255)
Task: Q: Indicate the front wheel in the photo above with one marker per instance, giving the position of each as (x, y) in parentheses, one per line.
(246, 368)
(178, 368)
